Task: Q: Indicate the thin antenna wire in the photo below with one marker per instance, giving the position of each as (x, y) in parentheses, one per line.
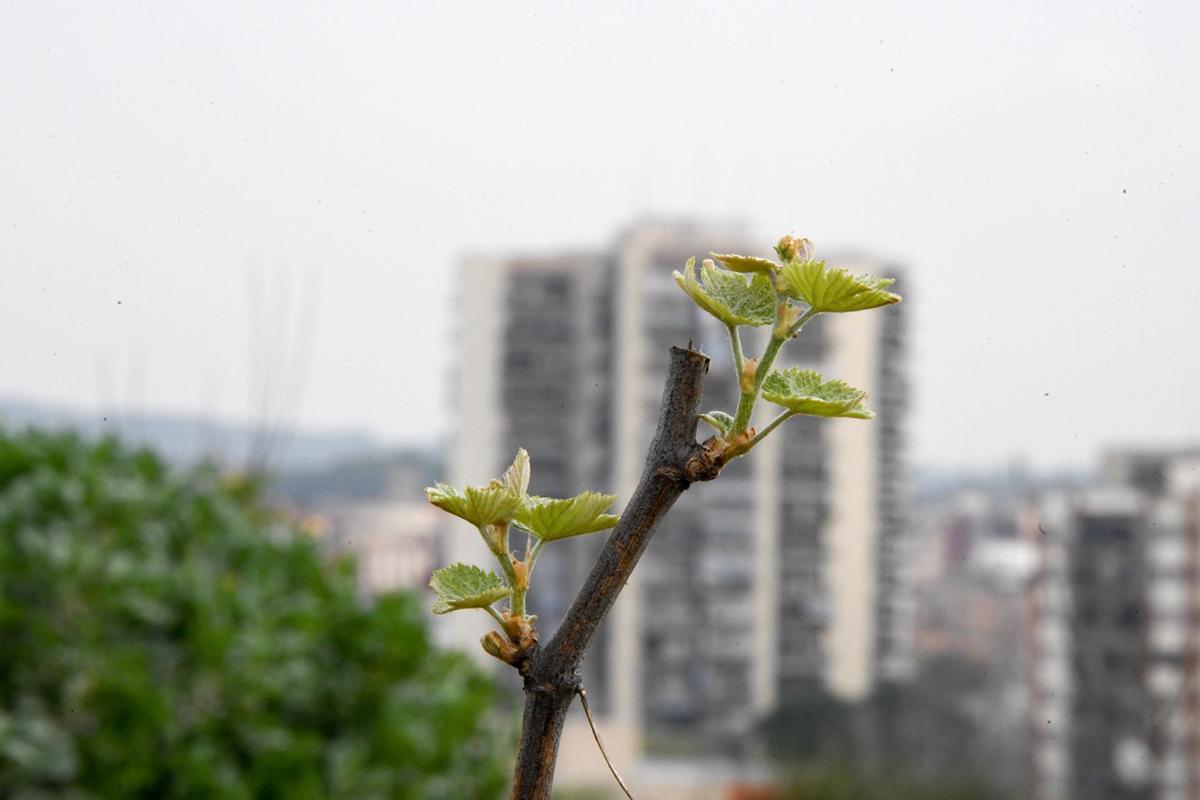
(280, 352)
(600, 744)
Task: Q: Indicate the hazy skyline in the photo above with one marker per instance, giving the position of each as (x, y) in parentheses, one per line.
(1035, 165)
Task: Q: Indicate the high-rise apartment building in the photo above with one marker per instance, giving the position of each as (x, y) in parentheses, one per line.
(775, 578)
(1115, 635)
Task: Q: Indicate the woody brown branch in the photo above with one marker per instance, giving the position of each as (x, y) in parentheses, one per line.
(551, 672)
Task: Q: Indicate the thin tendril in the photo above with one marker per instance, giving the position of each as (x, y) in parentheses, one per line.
(592, 724)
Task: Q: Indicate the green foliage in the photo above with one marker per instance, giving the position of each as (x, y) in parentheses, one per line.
(803, 392)
(747, 263)
(479, 506)
(719, 420)
(746, 290)
(495, 510)
(835, 290)
(516, 477)
(770, 298)
(464, 586)
(728, 296)
(165, 637)
(550, 519)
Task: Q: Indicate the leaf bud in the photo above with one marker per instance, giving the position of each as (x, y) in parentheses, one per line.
(791, 248)
(789, 315)
(746, 379)
(498, 646)
(520, 575)
(495, 537)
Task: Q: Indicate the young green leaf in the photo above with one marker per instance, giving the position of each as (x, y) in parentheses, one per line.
(516, 477)
(802, 391)
(465, 586)
(747, 263)
(550, 519)
(727, 295)
(833, 289)
(719, 420)
(480, 506)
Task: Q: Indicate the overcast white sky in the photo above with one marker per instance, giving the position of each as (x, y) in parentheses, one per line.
(1037, 163)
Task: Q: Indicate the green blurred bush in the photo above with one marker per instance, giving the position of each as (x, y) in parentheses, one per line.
(164, 636)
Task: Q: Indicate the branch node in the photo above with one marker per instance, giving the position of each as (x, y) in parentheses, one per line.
(673, 474)
(705, 461)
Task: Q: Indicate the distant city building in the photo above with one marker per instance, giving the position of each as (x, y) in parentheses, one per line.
(778, 577)
(393, 541)
(375, 510)
(1115, 641)
(1155, 471)
(968, 577)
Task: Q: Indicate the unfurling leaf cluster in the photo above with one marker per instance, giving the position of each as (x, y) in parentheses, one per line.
(741, 291)
(756, 292)
(496, 510)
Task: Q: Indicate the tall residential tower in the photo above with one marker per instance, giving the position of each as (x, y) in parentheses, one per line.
(1115, 633)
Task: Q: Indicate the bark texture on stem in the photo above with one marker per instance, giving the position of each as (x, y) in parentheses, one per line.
(552, 672)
